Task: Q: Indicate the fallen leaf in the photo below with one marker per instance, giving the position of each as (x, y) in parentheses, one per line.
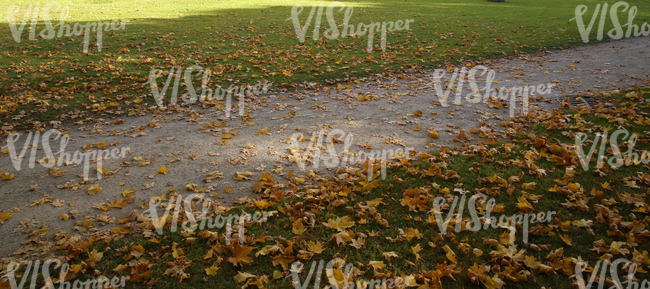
(94, 189)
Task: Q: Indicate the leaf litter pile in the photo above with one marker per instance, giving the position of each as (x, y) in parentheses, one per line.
(387, 228)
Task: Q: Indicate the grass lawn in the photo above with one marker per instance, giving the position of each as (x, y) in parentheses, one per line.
(600, 214)
(252, 41)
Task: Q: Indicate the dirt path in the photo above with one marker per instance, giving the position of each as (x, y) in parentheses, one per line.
(190, 151)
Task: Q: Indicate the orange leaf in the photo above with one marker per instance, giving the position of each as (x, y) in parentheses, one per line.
(240, 255)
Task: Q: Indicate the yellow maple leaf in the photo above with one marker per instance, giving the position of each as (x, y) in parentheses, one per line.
(493, 283)
(528, 186)
(242, 276)
(377, 264)
(177, 252)
(243, 176)
(7, 176)
(75, 268)
(94, 256)
(531, 262)
(344, 237)
(340, 223)
(504, 238)
(410, 281)
(120, 268)
(524, 205)
(606, 186)
(388, 255)
(566, 239)
(277, 275)
(413, 233)
(583, 223)
(41, 201)
(476, 272)
(283, 260)
(94, 189)
(212, 270)
(6, 215)
(417, 248)
(138, 250)
(433, 134)
(240, 255)
(450, 254)
(163, 170)
(128, 192)
(316, 248)
(298, 227)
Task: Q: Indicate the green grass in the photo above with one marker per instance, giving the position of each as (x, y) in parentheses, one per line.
(252, 41)
(474, 167)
